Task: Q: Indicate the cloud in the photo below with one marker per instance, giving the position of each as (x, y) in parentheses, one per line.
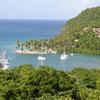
(67, 4)
(85, 1)
(44, 9)
(71, 8)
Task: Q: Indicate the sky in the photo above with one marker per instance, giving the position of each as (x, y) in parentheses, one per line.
(44, 9)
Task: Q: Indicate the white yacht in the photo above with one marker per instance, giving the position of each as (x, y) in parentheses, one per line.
(64, 56)
(4, 61)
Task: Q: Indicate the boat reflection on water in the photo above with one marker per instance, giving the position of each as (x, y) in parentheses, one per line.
(41, 58)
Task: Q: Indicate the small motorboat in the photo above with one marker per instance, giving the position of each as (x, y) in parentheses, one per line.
(41, 58)
(72, 54)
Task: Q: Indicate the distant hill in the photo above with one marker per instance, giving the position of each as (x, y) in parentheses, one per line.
(82, 33)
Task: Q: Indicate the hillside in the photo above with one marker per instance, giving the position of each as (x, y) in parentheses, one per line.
(82, 33)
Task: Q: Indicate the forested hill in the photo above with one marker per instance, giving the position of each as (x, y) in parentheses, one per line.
(82, 33)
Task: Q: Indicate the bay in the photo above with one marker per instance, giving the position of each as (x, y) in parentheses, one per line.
(13, 30)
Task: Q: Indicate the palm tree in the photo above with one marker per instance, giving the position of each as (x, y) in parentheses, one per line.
(18, 44)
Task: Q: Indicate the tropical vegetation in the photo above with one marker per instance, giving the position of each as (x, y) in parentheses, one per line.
(46, 83)
(80, 34)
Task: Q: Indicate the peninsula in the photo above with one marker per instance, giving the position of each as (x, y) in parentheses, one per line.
(80, 35)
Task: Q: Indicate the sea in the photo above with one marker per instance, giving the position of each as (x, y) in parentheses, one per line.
(13, 30)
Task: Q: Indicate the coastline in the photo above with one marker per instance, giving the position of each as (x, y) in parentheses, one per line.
(35, 52)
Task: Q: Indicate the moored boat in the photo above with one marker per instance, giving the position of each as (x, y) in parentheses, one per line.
(64, 56)
(4, 62)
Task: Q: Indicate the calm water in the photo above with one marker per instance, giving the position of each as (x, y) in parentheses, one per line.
(10, 31)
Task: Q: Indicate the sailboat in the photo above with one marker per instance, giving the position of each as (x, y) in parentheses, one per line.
(0, 58)
(4, 61)
(64, 56)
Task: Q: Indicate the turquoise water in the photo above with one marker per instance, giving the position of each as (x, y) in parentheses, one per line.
(78, 60)
(11, 30)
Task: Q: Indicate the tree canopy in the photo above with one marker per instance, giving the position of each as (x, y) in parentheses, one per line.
(46, 83)
(77, 35)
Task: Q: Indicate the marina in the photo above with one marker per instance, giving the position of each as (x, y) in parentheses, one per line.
(49, 50)
(54, 60)
(24, 30)
(4, 62)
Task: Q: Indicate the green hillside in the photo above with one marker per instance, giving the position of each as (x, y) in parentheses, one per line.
(82, 33)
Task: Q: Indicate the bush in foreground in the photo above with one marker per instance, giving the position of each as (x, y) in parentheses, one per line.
(45, 83)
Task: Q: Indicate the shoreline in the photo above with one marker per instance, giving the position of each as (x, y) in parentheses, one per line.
(35, 52)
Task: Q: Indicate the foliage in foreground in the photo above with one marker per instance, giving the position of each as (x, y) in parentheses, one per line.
(28, 83)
